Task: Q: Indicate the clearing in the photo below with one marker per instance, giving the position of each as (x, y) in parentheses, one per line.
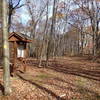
(66, 78)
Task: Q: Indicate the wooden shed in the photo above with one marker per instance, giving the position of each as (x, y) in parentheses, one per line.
(18, 46)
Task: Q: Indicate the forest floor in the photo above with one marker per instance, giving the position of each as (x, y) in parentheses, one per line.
(66, 78)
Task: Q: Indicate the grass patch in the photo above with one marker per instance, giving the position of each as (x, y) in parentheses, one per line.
(82, 88)
(14, 78)
(81, 81)
(43, 76)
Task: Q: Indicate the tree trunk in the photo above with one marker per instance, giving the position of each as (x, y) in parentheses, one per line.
(6, 73)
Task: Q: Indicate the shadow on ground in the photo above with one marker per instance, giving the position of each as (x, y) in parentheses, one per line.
(78, 89)
(69, 69)
(41, 87)
(95, 75)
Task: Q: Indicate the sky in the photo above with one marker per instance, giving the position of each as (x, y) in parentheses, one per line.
(23, 13)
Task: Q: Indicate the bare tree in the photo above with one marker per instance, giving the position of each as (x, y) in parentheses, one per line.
(6, 72)
(91, 8)
(35, 17)
(12, 9)
(51, 34)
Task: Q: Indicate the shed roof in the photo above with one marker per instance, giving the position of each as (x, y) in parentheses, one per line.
(19, 37)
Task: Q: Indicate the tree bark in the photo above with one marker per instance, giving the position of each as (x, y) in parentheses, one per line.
(6, 70)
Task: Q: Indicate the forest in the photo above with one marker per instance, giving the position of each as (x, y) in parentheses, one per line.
(49, 49)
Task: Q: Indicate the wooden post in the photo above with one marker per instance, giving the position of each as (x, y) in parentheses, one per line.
(26, 55)
(24, 64)
(15, 55)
